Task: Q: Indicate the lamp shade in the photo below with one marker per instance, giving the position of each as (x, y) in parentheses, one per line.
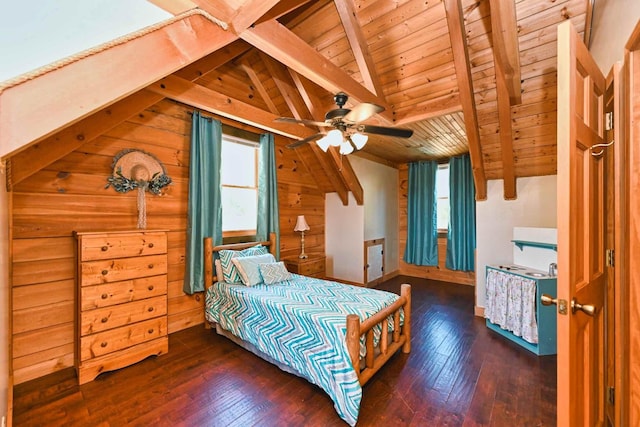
(346, 147)
(335, 137)
(359, 140)
(301, 224)
(323, 143)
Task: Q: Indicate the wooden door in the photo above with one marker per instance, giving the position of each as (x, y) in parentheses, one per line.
(581, 254)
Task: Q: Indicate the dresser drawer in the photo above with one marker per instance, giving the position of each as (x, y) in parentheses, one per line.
(112, 340)
(115, 270)
(103, 319)
(312, 266)
(114, 245)
(108, 294)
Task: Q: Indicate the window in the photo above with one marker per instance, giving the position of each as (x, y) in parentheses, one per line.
(239, 178)
(442, 195)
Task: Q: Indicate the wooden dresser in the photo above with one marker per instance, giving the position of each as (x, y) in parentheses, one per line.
(121, 303)
(313, 266)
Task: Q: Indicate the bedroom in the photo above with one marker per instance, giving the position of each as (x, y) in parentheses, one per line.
(63, 192)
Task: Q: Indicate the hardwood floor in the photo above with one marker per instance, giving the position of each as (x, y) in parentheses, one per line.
(458, 374)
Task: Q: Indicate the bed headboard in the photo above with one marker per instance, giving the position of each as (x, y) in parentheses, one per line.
(209, 249)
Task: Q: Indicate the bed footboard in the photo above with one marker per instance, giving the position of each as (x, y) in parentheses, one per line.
(401, 336)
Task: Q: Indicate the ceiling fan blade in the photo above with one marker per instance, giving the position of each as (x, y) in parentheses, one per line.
(379, 130)
(304, 141)
(362, 112)
(301, 121)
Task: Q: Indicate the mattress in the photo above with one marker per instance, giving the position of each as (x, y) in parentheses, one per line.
(301, 323)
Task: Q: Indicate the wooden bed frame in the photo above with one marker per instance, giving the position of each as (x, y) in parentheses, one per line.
(375, 357)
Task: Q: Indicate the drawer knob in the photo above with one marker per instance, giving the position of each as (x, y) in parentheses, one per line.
(104, 248)
(104, 296)
(150, 287)
(105, 320)
(103, 344)
(150, 331)
(150, 265)
(150, 309)
(150, 245)
(105, 272)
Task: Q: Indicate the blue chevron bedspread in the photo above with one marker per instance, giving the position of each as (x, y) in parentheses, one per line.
(301, 323)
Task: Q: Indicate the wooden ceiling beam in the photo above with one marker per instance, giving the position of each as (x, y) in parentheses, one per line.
(77, 89)
(286, 86)
(508, 87)
(281, 9)
(257, 83)
(40, 155)
(249, 12)
(296, 102)
(328, 164)
(433, 108)
(311, 98)
(213, 61)
(506, 50)
(198, 96)
(279, 42)
(347, 174)
(359, 47)
(219, 9)
(455, 22)
(506, 135)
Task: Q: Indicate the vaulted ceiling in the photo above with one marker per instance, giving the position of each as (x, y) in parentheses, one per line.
(475, 76)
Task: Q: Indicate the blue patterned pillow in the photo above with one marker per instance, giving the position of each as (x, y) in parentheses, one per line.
(274, 272)
(229, 271)
(248, 267)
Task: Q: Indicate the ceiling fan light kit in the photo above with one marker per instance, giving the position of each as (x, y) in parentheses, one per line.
(347, 132)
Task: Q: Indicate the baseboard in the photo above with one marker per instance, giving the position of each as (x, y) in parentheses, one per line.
(347, 282)
(478, 311)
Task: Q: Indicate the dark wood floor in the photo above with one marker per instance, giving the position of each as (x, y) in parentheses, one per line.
(458, 374)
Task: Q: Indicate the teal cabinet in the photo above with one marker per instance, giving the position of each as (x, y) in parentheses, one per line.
(546, 316)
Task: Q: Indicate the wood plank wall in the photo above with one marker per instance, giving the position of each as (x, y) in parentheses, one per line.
(441, 272)
(70, 195)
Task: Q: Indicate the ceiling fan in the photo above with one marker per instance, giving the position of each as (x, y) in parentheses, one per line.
(347, 133)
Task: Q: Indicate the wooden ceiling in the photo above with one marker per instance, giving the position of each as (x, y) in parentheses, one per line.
(475, 76)
(413, 57)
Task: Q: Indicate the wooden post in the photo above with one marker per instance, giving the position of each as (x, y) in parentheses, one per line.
(405, 291)
(208, 262)
(353, 340)
(207, 251)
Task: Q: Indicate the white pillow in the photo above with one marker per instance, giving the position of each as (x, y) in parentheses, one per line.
(248, 267)
(274, 272)
(229, 270)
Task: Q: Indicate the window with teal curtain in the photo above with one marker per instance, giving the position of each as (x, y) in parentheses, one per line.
(204, 214)
(461, 238)
(268, 216)
(422, 230)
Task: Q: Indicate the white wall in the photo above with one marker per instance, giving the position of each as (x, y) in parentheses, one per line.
(613, 22)
(344, 238)
(495, 218)
(381, 212)
(4, 295)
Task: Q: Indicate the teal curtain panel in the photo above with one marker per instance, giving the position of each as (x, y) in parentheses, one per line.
(461, 238)
(268, 215)
(205, 205)
(422, 230)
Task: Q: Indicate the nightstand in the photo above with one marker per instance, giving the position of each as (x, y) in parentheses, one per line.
(313, 266)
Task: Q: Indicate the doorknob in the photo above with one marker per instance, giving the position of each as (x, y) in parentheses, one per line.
(588, 309)
(549, 300)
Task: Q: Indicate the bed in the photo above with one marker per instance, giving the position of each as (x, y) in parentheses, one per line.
(334, 335)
